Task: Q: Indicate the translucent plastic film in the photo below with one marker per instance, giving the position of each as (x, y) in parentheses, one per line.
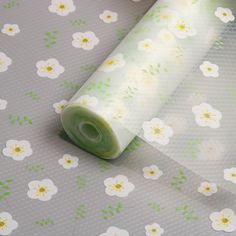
(171, 82)
(147, 146)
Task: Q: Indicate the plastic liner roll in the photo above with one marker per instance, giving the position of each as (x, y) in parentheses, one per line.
(134, 82)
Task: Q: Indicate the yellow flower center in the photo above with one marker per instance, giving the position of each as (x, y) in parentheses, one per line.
(84, 102)
(49, 68)
(85, 40)
(207, 115)
(110, 62)
(62, 6)
(10, 29)
(148, 81)
(42, 190)
(18, 149)
(157, 130)
(207, 189)
(2, 224)
(233, 174)
(225, 14)
(108, 16)
(146, 45)
(118, 186)
(154, 230)
(209, 69)
(68, 161)
(225, 220)
(151, 172)
(165, 17)
(182, 27)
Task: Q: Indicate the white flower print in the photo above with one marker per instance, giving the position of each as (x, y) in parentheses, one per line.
(5, 61)
(7, 224)
(224, 14)
(59, 106)
(196, 98)
(87, 101)
(114, 231)
(112, 63)
(108, 16)
(210, 150)
(137, 78)
(209, 70)
(154, 230)
(42, 190)
(176, 122)
(182, 29)
(146, 45)
(207, 116)
(50, 68)
(167, 37)
(10, 29)
(118, 186)
(62, 7)
(185, 3)
(3, 104)
(230, 174)
(156, 131)
(224, 220)
(152, 172)
(148, 82)
(68, 161)
(17, 150)
(207, 188)
(119, 112)
(167, 15)
(86, 41)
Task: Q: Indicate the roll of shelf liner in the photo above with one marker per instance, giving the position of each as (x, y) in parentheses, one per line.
(144, 70)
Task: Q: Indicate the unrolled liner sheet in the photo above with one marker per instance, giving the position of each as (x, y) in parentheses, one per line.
(134, 82)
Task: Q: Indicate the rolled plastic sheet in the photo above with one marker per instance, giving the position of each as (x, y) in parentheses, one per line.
(139, 76)
(170, 82)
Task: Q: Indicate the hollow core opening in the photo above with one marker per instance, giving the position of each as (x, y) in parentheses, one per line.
(90, 132)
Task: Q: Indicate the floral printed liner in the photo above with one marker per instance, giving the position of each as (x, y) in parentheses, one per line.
(124, 87)
(46, 185)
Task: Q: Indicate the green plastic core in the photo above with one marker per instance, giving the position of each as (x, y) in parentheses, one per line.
(90, 131)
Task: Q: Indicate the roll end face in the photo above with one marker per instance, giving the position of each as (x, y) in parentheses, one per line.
(90, 131)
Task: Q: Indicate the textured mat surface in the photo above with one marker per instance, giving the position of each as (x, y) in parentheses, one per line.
(47, 192)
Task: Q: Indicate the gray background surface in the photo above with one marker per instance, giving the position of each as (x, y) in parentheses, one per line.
(48, 147)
